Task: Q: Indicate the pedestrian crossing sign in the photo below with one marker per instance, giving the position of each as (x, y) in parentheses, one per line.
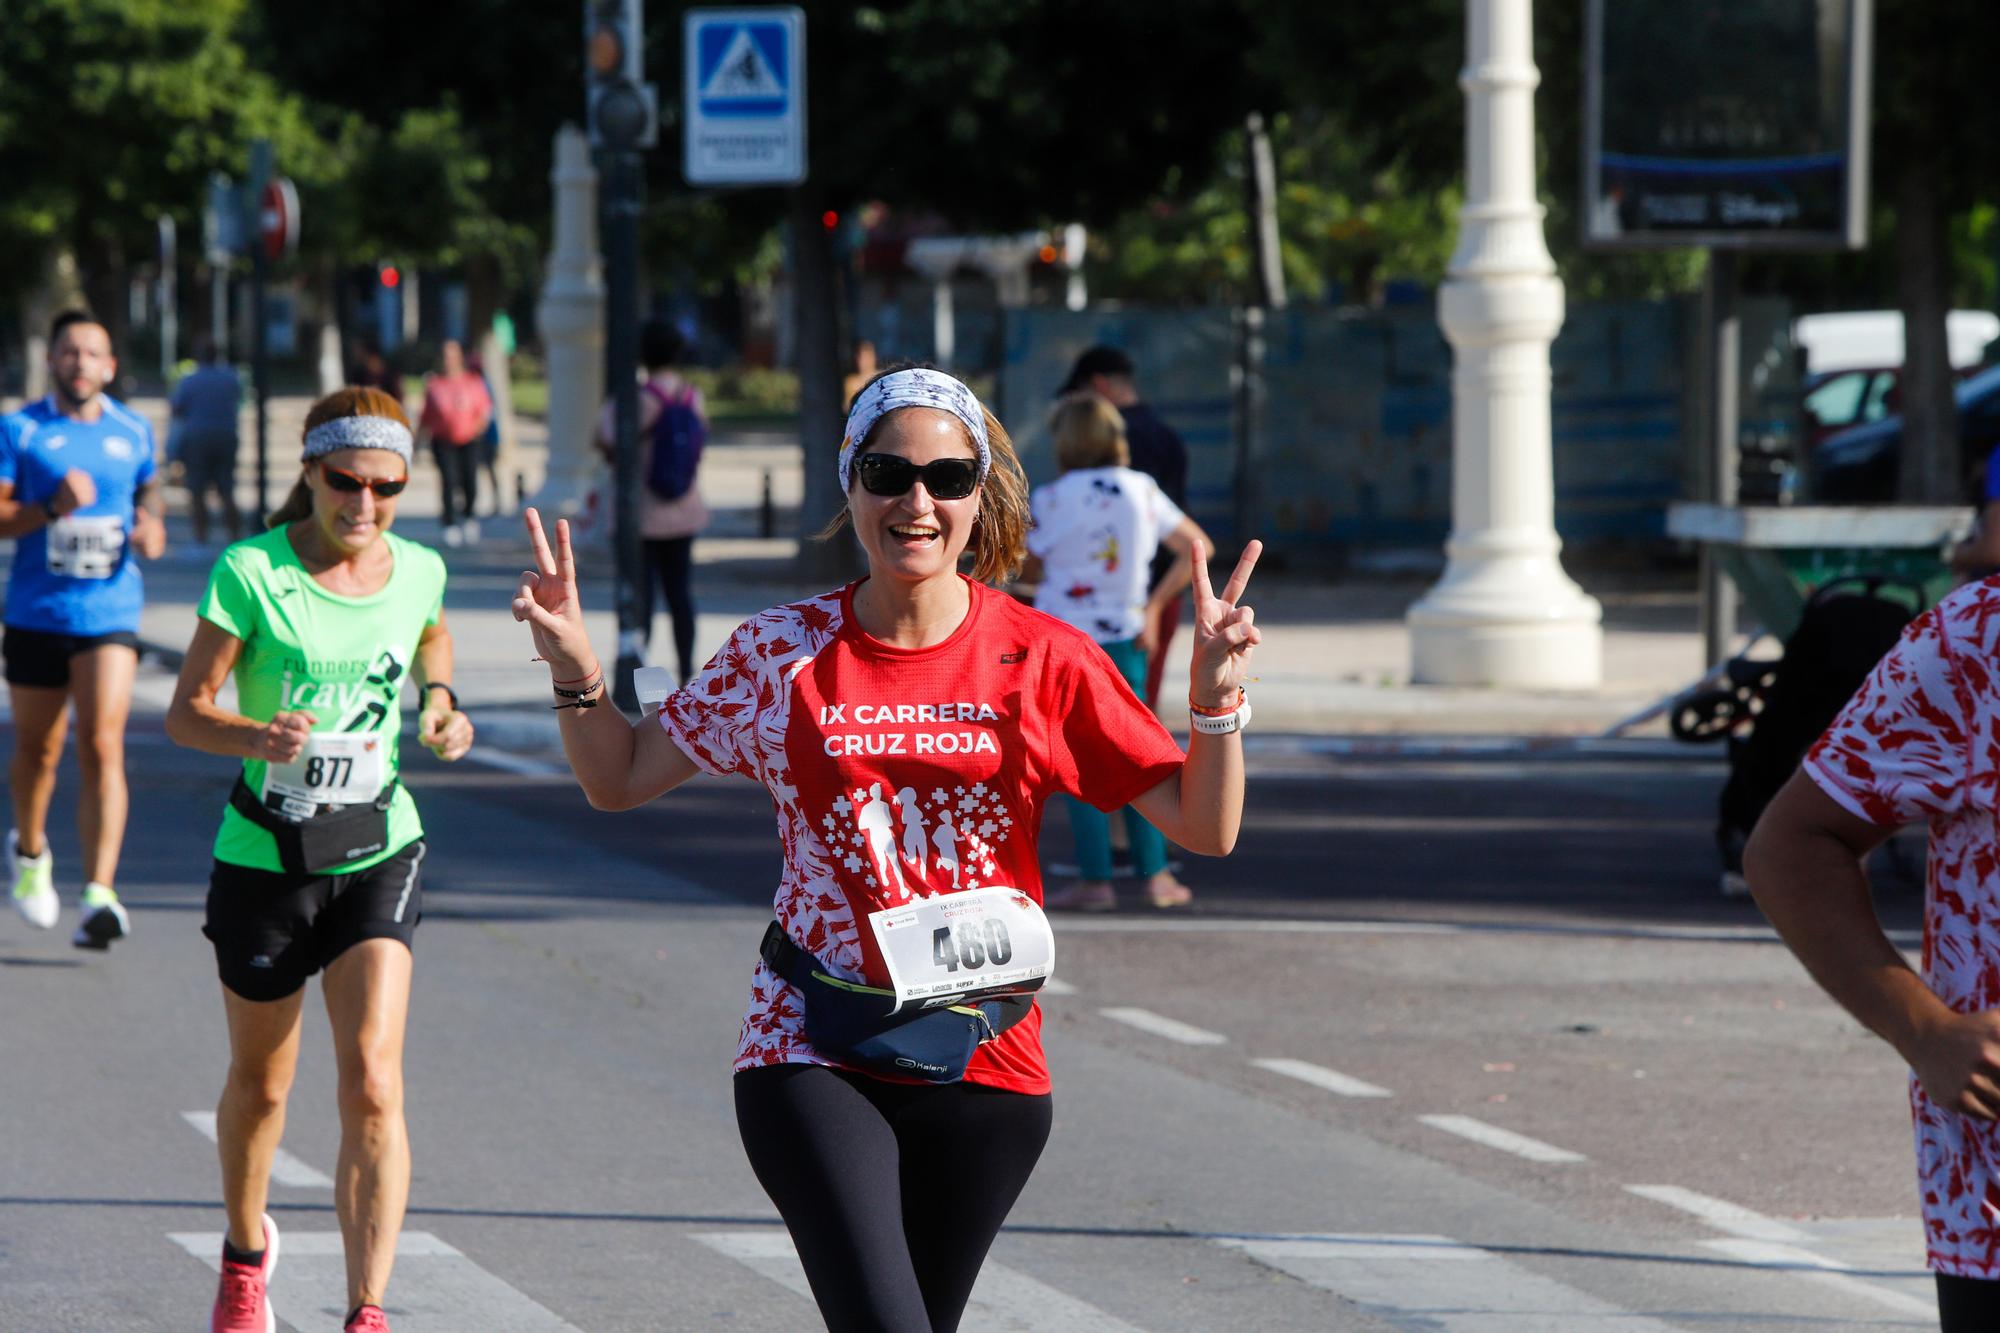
(744, 95)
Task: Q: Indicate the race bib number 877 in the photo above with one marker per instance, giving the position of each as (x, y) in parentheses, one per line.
(957, 947)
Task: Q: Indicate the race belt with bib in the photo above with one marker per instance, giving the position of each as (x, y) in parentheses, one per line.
(963, 969)
(327, 807)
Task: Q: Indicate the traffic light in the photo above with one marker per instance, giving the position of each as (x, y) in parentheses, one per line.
(623, 108)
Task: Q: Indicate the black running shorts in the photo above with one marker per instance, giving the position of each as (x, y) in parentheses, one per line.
(272, 930)
(38, 658)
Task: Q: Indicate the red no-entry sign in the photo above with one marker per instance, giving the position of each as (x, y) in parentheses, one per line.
(278, 218)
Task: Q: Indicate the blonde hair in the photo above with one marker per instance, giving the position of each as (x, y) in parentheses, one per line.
(1088, 432)
(999, 541)
(349, 402)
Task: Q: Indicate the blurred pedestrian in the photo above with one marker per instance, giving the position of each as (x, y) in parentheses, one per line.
(320, 621)
(925, 687)
(80, 498)
(373, 370)
(1158, 451)
(673, 429)
(859, 372)
(1090, 552)
(457, 409)
(1914, 745)
(205, 406)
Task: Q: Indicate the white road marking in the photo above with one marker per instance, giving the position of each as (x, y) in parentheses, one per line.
(1435, 1283)
(1824, 1271)
(1161, 1026)
(285, 1168)
(1055, 987)
(1321, 1077)
(1720, 1213)
(436, 1289)
(1003, 1300)
(1506, 1140)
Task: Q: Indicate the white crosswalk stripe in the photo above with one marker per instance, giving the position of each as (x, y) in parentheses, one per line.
(1438, 1285)
(1003, 1301)
(285, 1168)
(436, 1288)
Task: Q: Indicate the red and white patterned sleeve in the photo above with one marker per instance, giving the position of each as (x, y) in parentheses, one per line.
(714, 716)
(1900, 752)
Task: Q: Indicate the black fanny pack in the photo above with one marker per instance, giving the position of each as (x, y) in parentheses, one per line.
(333, 836)
(854, 1023)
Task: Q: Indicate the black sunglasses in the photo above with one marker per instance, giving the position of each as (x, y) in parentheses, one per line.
(944, 478)
(347, 483)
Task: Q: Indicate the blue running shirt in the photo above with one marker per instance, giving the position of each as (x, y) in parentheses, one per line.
(91, 584)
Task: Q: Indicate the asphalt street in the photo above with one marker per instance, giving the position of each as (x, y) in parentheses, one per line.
(1460, 1039)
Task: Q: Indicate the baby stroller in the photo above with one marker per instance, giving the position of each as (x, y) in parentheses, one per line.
(1771, 710)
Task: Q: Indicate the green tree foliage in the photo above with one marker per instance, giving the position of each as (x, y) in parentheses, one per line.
(113, 112)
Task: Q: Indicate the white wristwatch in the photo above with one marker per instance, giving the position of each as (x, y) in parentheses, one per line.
(1234, 720)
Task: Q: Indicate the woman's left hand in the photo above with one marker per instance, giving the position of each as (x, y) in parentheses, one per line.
(1224, 631)
(446, 731)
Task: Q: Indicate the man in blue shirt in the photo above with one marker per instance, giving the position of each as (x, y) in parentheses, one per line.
(77, 495)
(204, 407)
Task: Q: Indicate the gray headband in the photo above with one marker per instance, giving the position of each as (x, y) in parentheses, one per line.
(914, 388)
(358, 433)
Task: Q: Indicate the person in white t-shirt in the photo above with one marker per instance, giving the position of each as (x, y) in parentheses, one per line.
(1091, 551)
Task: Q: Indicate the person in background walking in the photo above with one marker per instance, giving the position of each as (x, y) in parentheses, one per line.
(204, 407)
(1096, 532)
(1158, 452)
(456, 410)
(673, 418)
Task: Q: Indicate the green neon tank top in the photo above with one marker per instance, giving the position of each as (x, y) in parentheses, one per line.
(343, 659)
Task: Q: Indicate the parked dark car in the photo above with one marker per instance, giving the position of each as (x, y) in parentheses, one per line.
(1836, 399)
(1858, 465)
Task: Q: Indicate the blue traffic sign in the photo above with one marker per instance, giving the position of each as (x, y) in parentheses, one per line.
(744, 96)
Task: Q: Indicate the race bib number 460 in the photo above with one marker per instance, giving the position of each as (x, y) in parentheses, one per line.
(86, 548)
(964, 946)
(335, 768)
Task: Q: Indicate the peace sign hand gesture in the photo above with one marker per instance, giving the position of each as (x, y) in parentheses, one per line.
(1224, 632)
(547, 603)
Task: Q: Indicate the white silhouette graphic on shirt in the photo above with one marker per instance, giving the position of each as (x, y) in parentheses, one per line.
(877, 823)
(945, 838)
(913, 830)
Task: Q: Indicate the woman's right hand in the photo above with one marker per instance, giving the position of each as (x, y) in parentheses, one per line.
(547, 603)
(283, 738)
(1958, 1063)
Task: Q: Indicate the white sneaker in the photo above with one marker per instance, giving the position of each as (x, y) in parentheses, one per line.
(454, 535)
(471, 531)
(34, 885)
(104, 919)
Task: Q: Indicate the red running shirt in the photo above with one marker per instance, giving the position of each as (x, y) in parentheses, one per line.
(899, 773)
(1920, 742)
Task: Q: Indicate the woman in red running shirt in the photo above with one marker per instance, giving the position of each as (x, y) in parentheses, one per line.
(908, 728)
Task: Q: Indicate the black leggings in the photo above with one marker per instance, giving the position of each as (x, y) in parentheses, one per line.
(668, 558)
(1968, 1304)
(456, 470)
(893, 1193)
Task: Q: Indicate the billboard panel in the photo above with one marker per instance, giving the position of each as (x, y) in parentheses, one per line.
(1739, 125)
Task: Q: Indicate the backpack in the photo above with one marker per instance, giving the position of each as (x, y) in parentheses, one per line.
(1847, 626)
(674, 449)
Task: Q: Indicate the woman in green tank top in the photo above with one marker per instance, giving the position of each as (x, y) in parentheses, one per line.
(320, 620)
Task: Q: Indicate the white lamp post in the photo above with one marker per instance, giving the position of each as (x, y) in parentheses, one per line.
(1505, 613)
(571, 320)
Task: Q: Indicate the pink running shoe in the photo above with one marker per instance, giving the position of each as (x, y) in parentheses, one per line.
(241, 1305)
(368, 1319)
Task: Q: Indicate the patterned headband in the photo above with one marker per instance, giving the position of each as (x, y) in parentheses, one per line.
(914, 388)
(358, 433)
